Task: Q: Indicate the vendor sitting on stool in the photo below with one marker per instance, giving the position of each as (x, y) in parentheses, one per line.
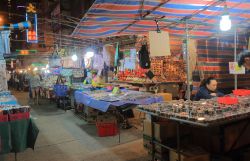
(208, 89)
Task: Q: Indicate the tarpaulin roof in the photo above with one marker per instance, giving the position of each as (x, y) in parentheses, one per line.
(130, 17)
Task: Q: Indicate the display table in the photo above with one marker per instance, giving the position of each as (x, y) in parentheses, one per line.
(17, 136)
(17, 131)
(218, 128)
(102, 105)
(162, 87)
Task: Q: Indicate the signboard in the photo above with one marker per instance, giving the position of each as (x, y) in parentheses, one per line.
(159, 43)
(31, 16)
(235, 69)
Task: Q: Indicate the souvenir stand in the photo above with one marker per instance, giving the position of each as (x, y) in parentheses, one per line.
(17, 130)
(98, 101)
(225, 121)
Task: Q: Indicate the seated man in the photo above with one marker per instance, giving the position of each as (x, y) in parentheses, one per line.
(208, 89)
(244, 59)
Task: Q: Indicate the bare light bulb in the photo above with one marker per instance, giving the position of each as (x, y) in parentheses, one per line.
(225, 23)
(74, 57)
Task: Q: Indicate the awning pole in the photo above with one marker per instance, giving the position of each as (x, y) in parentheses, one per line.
(188, 65)
(235, 57)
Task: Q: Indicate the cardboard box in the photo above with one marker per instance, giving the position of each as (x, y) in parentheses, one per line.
(165, 96)
(163, 130)
(191, 153)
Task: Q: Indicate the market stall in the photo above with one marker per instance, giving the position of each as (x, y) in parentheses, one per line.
(204, 48)
(220, 125)
(113, 103)
(17, 130)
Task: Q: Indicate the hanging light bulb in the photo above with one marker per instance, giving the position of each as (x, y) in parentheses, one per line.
(225, 22)
(89, 54)
(74, 57)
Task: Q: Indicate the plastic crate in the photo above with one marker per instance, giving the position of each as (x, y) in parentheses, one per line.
(61, 90)
(107, 129)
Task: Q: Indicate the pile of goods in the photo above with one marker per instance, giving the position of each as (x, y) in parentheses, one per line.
(10, 109)
(137, 75)
(206, 111)
(168, 69)
(49, 81)
(165, 69)
(76, 73)
(124, 95)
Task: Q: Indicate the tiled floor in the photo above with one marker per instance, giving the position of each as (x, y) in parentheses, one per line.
(65, 137)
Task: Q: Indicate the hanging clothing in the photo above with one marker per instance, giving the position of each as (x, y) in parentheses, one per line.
(144, 59)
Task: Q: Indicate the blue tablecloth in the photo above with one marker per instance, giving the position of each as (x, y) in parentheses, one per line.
(103, 106)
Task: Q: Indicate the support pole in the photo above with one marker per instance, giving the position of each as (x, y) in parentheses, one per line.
(235, 57)
(188, 65)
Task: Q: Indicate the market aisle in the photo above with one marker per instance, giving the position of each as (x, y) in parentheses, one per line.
(64, 136)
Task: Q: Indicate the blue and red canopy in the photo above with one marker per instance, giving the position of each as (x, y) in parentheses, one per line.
(127, 17)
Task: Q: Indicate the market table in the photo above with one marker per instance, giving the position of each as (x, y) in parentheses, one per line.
(119, 105)
(229, 124)
(83, 98)
(162, 87)
(17, 130)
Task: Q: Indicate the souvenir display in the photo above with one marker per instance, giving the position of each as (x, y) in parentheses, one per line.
(165, 69)
(157, 65)
(66, 72)
(80, 86)
(207, 111)
(9, 105)
(123, 95)
(78, 73)
(49, 81)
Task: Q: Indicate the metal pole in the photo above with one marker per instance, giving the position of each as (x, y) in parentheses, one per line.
(235, 57)
(188, 65)
(178, 141)
(15, 156)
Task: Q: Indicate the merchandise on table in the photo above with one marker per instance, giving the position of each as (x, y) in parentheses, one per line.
(7, 99)
(205, 111)
(9, 105)
(124, 95)
(80, 86)
(165, 69)
(77, 73)
(49, 81)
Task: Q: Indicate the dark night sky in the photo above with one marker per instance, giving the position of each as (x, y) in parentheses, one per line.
(5, 8)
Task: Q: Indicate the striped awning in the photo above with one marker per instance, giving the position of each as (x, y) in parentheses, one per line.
(131, 17)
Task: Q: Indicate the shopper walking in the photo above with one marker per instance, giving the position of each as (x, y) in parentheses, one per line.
(35, 86)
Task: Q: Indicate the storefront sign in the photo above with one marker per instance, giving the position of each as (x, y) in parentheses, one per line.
(235, 69)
